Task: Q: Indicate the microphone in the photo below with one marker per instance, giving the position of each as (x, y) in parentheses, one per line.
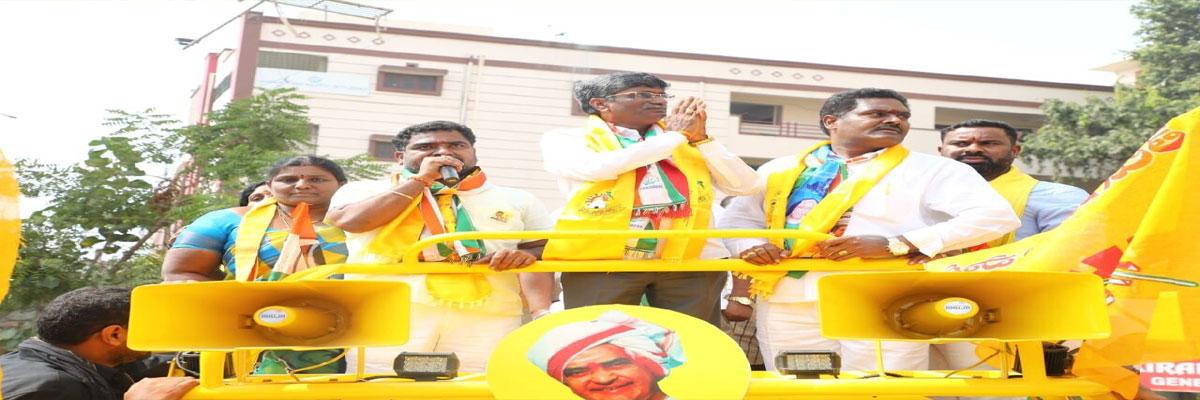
(449, 175)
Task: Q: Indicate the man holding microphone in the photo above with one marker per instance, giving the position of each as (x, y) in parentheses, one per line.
(440, 189)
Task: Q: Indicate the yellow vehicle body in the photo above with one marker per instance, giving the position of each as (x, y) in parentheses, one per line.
(159, 310)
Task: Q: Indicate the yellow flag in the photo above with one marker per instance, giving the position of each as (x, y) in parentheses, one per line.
(1139, 230)
(10, 222)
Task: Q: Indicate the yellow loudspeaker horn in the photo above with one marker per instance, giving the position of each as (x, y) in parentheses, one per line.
(962, 306)
(228, 315)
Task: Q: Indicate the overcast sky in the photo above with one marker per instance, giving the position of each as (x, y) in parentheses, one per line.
(66, 62)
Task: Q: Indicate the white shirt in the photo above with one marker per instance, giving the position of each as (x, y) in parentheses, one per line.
(566, 155)
(491, 207)
(938, 204)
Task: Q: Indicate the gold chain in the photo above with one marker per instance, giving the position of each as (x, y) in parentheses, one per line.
(287, 217)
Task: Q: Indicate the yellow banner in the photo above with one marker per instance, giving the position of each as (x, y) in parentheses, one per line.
(10, 222)
(1139, 231)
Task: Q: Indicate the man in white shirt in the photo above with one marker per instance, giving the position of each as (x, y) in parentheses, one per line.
(898, 204)
(632, 166)
(466, 314)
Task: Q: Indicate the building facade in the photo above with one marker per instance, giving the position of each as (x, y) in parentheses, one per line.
(364, 83)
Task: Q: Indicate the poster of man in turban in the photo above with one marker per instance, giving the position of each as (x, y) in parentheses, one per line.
(618, 352)
(613, 357)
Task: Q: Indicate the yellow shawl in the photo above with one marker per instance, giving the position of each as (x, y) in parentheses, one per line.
(1015, 187)
(394, 239)
(608, 205)
(250, 234)
(825, 214)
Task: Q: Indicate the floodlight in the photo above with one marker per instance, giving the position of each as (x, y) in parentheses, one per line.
(808, 364)
(422, 366)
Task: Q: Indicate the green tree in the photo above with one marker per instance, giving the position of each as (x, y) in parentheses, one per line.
(1090, 140)
(105, 213)
(244, 138)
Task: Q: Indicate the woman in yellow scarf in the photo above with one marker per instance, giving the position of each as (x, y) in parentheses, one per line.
(244, 243)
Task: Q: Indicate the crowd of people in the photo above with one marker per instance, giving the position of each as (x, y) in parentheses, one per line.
(635, 163)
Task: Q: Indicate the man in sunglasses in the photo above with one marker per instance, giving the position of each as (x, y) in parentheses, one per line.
(634, 166)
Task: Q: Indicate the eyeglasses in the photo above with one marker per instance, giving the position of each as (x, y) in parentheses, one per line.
(641, 96)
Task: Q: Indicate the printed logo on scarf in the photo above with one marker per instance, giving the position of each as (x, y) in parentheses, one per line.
(600, 204)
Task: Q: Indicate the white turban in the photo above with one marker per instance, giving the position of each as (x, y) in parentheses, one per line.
(655, 346)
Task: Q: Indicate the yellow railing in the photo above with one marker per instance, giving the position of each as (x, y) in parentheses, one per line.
(410, 264)
(763, 385)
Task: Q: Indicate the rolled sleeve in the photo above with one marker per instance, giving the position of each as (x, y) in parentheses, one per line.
(746, 212)
(565, 153)
(730, 173)
(977, 213)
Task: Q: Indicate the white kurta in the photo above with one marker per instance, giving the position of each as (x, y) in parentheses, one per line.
(936, 203)
(566, 155)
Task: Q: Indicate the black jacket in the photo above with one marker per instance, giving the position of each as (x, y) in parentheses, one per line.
(41, 371)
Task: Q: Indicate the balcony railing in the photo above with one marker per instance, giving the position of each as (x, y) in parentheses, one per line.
(784, 129)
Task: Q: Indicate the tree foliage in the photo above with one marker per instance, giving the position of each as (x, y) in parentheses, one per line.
(1093, 138)
(243, 139)
(105, 214)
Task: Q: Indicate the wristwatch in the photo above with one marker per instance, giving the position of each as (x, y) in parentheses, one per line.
(743, 300)
(898, 247)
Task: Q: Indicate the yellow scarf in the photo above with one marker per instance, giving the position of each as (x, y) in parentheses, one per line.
(607, 205)
(1015, 187)
(451, 290)
(250, 233)
(825, 214)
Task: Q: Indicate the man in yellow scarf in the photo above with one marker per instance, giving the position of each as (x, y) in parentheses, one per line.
(633, 166)
(462, 313)
(990, 147)
(879, 199)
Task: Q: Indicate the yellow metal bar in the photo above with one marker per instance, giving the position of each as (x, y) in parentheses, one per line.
(763, 385)
(1005, 365)
(1033, 362)
(374, 390)
(411, 265)
(813, 264)
(212, 369)
(920, 383)
(360, 362)
(410, 256)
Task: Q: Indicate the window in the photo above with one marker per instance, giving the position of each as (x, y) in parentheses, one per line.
(755, 113)
(221, 87)
(296, 61)
(410, 80)
(380, 147)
